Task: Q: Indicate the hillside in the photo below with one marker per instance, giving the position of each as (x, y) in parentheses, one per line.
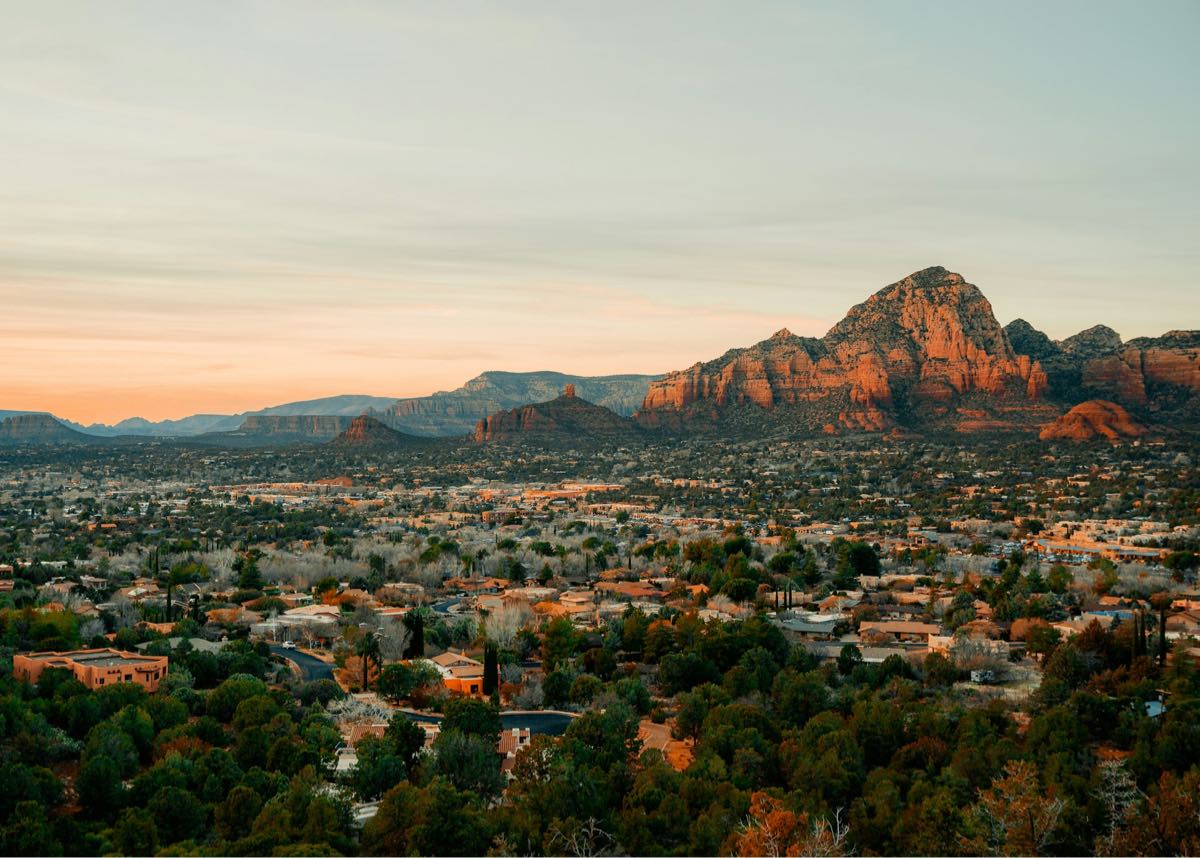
(565, 418)
(456, 412)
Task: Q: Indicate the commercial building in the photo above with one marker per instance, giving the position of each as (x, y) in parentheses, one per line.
(95, 668)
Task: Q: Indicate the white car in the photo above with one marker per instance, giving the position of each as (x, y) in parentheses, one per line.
(289, 645)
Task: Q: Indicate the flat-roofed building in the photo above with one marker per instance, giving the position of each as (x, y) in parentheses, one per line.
(95, 668)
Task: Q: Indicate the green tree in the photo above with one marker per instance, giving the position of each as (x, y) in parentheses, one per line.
(491, 668)
(558, 644)
(368, 650)
(135, 832)
(99, 786)
(469, 762)
(234, 816)
(473, 717)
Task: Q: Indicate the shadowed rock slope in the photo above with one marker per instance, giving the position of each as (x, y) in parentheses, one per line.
(565, 419)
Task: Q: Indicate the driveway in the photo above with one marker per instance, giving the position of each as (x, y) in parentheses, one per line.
(311, 669)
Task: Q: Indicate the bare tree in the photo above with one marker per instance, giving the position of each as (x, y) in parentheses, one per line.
(503, 623)
(1119, 794)
(584, 840)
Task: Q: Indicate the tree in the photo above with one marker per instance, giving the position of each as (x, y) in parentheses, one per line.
(99, 786)
(849, 658)
(469, 762)
(224, 700)
(1161, 602)
(491, 668)
(473, 718)
(368, 650)
(27, 832)
(405, 740)
(856, 559)
(246, 567)
(1119, 796)
(377, 769)
(415, 620)
(433, 820)
(135, 832)
(235, 815)
(178, 813)
(397, 682)
(1014, 816)
(772, 830)
(558, 643)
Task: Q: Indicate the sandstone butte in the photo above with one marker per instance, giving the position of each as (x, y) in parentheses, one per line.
(566, 417)
(367, 431)
(925, 349)
(1087, 421)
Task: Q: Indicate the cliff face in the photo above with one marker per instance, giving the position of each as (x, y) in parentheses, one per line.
(1092, 420)
(1158, 373)
(563, 419)
(306, 426)
(456, 412)
(39, 429)
(927, 347)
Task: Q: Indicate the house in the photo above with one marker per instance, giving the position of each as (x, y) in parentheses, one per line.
(95, 668)
(810, 626)
(905, 630)
(460, 673)
(512, 741)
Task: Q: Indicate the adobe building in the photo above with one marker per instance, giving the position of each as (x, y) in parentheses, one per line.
(95, 668)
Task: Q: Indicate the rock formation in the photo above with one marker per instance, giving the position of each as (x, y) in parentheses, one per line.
(1088, 421)
(1028, 340)
(1160, 373)
(567, 418)
(39, 429)
(271, 429)
(926, 349)
(365, 431)
(455, 412)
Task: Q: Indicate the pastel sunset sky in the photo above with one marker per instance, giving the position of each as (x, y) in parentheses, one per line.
(214, 207)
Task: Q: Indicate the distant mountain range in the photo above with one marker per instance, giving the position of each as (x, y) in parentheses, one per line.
(452, 413)
(456, 412)
(924, 354)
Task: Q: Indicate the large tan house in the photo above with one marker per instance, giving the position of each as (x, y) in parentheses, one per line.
(95, 668)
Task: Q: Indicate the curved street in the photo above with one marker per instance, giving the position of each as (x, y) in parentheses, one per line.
(538, 723)
(311, 669)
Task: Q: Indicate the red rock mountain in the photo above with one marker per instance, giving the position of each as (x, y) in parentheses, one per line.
(926, 349)
(1147, 371)
(365, 431)
(1155, 377)
(563, 419)
(1088, 421)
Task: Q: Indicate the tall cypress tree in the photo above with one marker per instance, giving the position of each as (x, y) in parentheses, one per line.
(491, 668)
(415, 621)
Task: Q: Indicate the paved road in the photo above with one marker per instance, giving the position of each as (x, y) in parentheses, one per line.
(547, 723)
(444, 607)
(311, 668)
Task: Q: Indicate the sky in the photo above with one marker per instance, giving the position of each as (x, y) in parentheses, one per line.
(215, 207)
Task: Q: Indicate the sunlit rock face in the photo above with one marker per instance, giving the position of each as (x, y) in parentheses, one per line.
(918, 350)
(1091, 420)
